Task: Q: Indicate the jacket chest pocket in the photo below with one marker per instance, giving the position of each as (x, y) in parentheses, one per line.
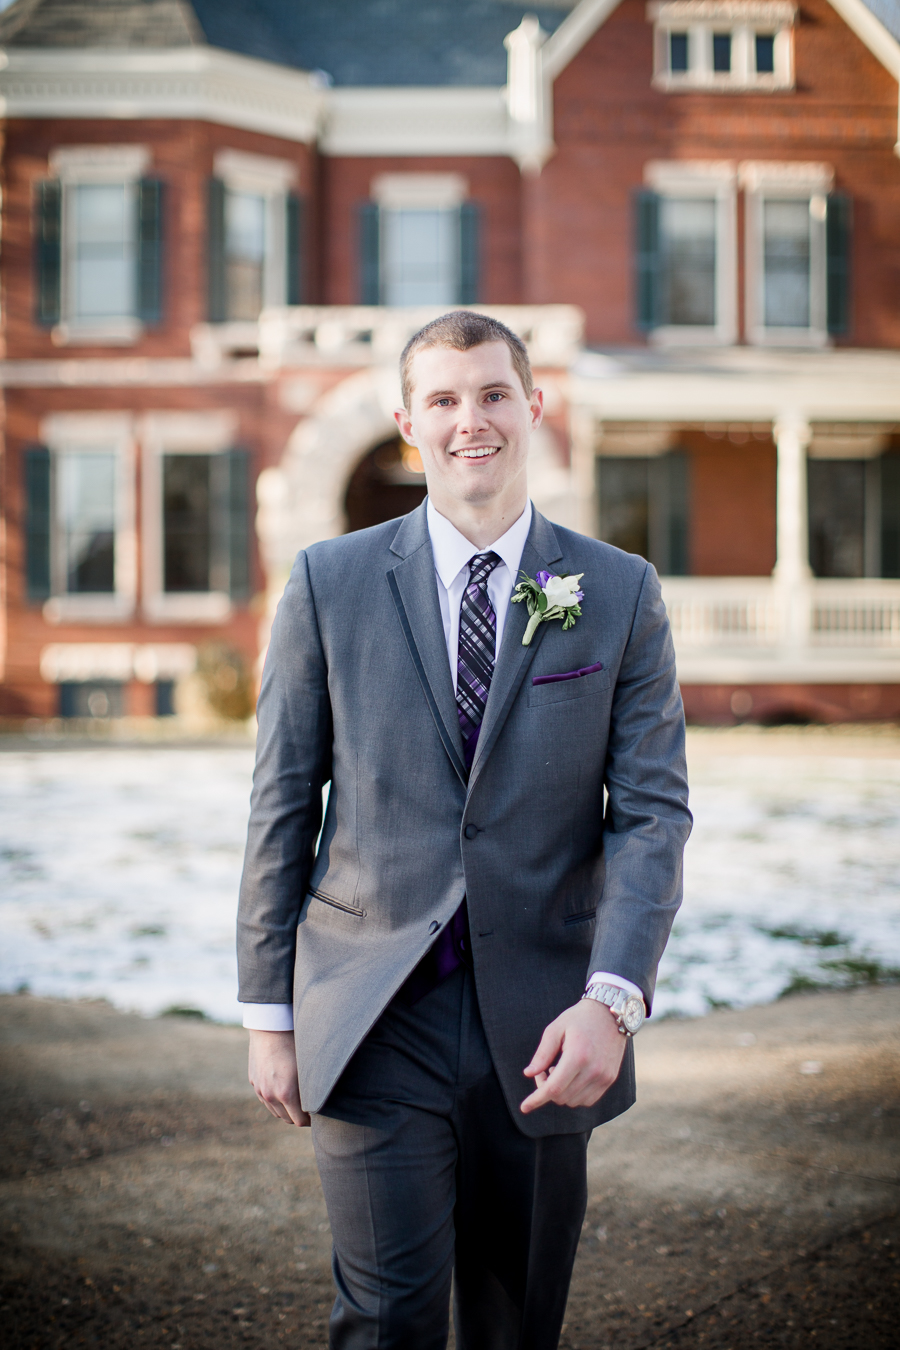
(563, 691)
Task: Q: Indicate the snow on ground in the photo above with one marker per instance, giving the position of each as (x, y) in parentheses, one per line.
(119, 871)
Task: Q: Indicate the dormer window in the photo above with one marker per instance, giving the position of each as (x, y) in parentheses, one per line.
(722, 44)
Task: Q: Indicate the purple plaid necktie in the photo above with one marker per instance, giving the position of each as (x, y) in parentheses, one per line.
(474, 670)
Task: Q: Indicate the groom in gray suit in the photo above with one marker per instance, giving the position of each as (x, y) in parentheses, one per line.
(446, 984)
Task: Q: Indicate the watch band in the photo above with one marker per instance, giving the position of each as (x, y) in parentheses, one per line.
(626, 1008)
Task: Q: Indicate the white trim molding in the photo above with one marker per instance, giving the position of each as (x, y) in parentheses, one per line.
(415, 121)
(264, 174)
(99, 163)
(785, 181)
(742, 21)
(113, 432)
(717, 180)
(76, 662)
(186, 82)
(177, 433)
(419, 191)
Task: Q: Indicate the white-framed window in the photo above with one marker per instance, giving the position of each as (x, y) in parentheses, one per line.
(99, 235)
(91, 538)
(419, 241)
(686, 252)
(195, 516)
(254, 230)
(787, 252)
(722, 44)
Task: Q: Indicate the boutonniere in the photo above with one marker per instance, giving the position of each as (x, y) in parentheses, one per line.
(549, 597)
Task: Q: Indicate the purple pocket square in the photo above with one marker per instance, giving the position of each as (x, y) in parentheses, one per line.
(569, 674)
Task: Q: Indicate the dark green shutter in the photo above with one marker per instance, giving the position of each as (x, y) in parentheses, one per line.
(238, 524)
(217, 307)
(838, 234)
(647, 261)
(37, 522)
(890, 515)
(469, 252)
(369, 255)
(48, 251)
(150, 206)
(295, 208)
(668, 513)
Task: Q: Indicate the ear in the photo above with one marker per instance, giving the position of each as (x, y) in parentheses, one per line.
(401, 417)
(536, 404)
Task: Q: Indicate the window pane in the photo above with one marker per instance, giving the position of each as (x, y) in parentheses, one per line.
(186, 522)
(786, 263)
(623, 489)
(837, 517)
(765, 54)
(420, 257)
(688, 230)
(245, 252)
(86, 511)
(678, 52)
(721, 53)
(102, 235)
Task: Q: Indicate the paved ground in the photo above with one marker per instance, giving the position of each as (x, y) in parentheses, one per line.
(751, 1198)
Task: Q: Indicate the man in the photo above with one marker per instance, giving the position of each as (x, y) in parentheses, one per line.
(469, 883)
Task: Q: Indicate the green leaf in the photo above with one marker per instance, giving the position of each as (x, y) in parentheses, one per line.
(542, 603)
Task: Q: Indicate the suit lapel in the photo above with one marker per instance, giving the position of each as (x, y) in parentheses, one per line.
(541, 549)
(414, 590)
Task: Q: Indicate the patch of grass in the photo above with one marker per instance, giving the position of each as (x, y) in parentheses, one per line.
(194, 1014)
(149, 930)
(716, 1004)
(810, 937)
(845, 972)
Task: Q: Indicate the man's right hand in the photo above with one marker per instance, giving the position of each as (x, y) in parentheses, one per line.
(273, 1075)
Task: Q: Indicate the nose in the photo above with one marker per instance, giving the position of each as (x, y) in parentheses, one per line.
(472, 418)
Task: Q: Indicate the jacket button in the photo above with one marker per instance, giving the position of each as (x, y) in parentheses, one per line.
(433, 926)
(471, 831)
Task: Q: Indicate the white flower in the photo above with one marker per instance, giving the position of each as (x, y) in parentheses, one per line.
(563, 591)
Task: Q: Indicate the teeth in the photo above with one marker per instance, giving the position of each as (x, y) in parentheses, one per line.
(481, 453)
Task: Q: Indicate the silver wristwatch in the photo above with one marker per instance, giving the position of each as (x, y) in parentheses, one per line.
(627, 1009)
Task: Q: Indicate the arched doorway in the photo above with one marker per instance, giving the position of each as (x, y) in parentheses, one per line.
(388, 482)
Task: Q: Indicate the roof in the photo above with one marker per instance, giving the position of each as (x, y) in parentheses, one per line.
(355, 42)
(392, 43)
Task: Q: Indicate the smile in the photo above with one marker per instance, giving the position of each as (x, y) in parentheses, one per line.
(476, 452)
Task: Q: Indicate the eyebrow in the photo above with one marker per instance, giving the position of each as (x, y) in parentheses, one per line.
(449, 393)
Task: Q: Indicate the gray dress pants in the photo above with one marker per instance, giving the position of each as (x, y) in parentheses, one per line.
(426, 1177)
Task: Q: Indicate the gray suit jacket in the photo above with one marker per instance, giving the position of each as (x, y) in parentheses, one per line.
(357, 692)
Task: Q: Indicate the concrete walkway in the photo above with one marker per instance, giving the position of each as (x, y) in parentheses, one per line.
(751, 1198)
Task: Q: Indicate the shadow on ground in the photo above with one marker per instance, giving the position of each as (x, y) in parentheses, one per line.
(751, 1198)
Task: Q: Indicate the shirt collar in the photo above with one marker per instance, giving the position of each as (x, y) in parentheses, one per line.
(452, 550)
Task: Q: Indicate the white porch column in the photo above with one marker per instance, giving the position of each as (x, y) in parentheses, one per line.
(792, 572)
(583, 441)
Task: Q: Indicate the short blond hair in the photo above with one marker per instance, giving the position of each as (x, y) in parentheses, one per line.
(461, 330)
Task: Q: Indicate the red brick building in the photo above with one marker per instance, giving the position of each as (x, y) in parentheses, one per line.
(221, 221)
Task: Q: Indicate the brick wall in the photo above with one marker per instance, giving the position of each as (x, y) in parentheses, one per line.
(609, 120)
(493, 183)
(182, 156)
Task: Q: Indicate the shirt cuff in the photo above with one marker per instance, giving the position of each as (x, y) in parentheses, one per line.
(268, 1016)
(604, 977)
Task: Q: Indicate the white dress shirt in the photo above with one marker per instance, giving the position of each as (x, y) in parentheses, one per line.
(452, 554)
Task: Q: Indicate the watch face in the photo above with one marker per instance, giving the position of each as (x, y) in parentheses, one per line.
(633, 1014)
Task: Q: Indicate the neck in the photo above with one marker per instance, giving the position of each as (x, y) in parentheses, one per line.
(482, 523)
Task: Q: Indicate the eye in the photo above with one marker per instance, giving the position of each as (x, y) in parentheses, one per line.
(442, 403)
(495, 397)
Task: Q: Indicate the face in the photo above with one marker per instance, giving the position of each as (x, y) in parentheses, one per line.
(471, 421)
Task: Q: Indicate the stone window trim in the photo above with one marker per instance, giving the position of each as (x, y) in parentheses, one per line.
(763, 181)
(274, 179)
(75, 166)
(716, 179)
(172, 433)
(71, 433)
(743, 21)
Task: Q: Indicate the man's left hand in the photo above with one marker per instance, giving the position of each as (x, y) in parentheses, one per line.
(579, 1057)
